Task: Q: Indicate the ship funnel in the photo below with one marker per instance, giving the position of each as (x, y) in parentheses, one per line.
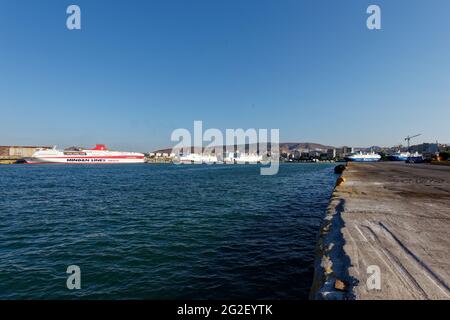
(100, 147)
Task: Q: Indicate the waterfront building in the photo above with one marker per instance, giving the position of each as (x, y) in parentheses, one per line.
(344, 151)
(19, 152)
(331, 153)
(425, 148)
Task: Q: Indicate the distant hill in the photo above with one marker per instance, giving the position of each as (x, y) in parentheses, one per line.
(292, 146)
(369, 149)
(284, 147)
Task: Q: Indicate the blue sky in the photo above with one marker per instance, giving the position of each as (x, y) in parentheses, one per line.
(139, 69)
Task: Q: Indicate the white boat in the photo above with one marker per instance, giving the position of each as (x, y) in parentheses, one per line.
(243, 158)
(363, 157)
(248, 158)
(98, 155)
(196, 158)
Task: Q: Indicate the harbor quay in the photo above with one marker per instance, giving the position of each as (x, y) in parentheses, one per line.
(386, 234)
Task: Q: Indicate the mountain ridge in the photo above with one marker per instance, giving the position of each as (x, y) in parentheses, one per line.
(284, 147)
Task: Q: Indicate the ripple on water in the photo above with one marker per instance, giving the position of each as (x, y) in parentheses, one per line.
(160, 232)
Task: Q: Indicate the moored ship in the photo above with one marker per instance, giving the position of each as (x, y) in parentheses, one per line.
(98, 155)
(406, 156)
(399, 156)
(415, 158)
(243, 158)
(195, 158)
(363, 157)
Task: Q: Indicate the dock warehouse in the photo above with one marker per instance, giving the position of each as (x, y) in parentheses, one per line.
(18, 152)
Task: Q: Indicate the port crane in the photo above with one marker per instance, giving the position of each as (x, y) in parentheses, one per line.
(408, 139)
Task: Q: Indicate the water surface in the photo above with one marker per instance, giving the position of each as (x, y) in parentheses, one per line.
(160, 231)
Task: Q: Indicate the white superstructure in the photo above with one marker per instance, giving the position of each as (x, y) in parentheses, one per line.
(197, 158)
(243, 158)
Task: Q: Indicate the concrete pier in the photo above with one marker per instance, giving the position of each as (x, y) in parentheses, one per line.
(388, 217)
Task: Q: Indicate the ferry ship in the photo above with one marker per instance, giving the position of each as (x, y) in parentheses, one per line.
(243, 158)
(232, 158)
(98, 155)
(363, 157)
(406, 156)
(195, 158)
(249, 158)
(399, 156)
(415, 158)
